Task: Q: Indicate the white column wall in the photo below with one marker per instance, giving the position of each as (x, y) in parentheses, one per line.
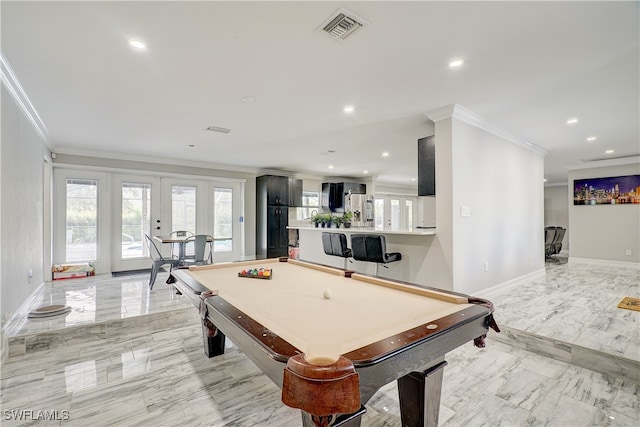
(501, 183)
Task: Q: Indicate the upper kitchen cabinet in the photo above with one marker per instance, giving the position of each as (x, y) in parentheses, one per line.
(427, 166)
(295, 192)
(274, 189)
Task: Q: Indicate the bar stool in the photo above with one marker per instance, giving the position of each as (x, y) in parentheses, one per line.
(335, 244)
(373, 248)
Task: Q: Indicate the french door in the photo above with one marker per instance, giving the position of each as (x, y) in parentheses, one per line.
(102, 217)
(136, 212)
(160, 206)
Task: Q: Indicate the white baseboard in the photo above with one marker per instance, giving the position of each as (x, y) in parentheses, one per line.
(605, 262)
(20, 316)
(511, 284)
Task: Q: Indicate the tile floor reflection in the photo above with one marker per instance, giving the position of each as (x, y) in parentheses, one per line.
(121, 369)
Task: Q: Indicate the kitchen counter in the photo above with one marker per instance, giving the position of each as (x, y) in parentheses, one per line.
(412, 244)
(367, 230)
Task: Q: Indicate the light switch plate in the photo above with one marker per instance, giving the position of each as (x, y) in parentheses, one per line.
(465, 210)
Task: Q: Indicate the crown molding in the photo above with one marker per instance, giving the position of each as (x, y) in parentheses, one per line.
(465, 115)
(20, 97)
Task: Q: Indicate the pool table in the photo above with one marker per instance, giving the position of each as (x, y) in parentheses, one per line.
(330, 338)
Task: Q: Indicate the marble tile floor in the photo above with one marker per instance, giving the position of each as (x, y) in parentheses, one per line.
(572, 315)
(164, 379)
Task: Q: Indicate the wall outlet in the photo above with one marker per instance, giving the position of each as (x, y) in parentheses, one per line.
(628, 252)
(465, 210)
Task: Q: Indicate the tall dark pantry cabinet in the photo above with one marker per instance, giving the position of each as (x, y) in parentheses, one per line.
(274, 195)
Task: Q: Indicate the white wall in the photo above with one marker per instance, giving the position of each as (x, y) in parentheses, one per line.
(556, 210)
(604, 232)
(502, 184)
(21, 227)
(499, 178)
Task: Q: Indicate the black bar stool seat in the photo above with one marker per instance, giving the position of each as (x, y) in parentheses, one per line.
(335, 244)
(373, 248)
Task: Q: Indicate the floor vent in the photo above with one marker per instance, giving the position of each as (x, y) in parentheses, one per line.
(342, 23)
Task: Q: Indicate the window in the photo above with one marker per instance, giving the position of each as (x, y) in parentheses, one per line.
(136, 218)
(183, 208)
(81, 220)
(310, 203)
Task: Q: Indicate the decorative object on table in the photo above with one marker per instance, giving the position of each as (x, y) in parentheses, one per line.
(617, 190)
(257, 273)
(630, 303)
(48, 311)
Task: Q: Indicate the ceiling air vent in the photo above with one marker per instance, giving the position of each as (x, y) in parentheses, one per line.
(218, 129)
(342, 23)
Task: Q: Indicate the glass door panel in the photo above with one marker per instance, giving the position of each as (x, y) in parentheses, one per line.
(135, 212)
(183, 208)
(223, 219)
(136, 219)
(81, 220)
(395, 215)
(408, 214)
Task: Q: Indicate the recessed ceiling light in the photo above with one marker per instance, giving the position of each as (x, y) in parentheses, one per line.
(456, 63)
(609, 152)
(413, 179)
(365, 171)
(591, 138)
(348, 109)
(572, 121)
(248, 99)
(137, 44)
(330, 166)
(544, 180)
(385, 154)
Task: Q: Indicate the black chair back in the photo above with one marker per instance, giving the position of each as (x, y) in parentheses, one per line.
(335, 244)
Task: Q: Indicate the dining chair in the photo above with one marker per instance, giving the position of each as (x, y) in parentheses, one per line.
(202, 250)
(157, 260)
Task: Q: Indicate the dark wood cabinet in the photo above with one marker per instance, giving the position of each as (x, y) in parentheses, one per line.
(273, 197)
(295, 193)
(277, 232)
(277, 189)
(427, 166)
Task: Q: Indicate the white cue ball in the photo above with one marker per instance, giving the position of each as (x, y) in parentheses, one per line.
(326, 294)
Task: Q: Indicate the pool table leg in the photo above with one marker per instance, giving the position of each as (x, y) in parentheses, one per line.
(419, 394)
(343, 420)
(213, 339)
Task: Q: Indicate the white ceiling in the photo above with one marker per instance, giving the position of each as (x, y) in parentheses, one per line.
(529, 66)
